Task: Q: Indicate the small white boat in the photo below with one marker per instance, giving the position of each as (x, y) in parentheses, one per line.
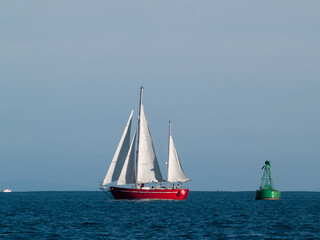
(6, 190)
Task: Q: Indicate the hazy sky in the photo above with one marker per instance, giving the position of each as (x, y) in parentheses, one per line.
(239, 79)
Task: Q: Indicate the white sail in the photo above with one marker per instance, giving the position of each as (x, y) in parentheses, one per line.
(127, 175)
(147, 164)
(120, 155)
(175, 171)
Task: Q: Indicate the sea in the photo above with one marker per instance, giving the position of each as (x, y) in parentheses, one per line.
(204, 215)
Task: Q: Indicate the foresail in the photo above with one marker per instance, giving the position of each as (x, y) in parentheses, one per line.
(175, 171)
(127, 175)
(120, 155)
(147, 164)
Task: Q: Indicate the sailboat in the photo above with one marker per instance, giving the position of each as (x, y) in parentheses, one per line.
(139, 166)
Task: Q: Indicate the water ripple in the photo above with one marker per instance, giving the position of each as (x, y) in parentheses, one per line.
(205, 215)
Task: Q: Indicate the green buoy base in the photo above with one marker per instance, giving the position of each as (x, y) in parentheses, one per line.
(267, 194)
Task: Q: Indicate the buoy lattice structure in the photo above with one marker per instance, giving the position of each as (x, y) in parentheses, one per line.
(267, 190)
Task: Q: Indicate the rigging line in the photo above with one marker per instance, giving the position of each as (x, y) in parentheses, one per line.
(162, 159)
(136, 100)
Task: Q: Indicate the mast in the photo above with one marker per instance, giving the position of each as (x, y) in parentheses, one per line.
(139, 117)
(168, 152)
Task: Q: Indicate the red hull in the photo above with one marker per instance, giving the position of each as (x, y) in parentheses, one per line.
(160, 194)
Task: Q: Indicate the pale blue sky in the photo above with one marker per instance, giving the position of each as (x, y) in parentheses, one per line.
(239, 79)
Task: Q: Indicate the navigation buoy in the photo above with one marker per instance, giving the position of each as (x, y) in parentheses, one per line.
(267, 190)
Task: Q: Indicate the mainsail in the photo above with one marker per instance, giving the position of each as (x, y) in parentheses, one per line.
(147, 164)
(120, 155)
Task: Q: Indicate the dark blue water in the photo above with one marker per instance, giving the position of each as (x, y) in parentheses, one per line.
(204, 215)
